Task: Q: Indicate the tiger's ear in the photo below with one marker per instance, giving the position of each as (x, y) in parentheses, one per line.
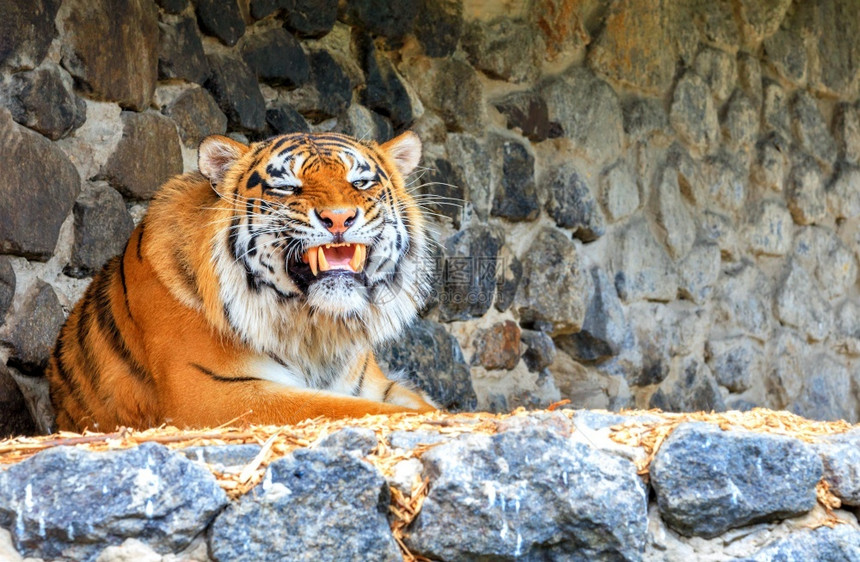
(216, 155)
(405, 150)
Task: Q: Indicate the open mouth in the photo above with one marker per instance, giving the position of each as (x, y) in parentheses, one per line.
(329, 257)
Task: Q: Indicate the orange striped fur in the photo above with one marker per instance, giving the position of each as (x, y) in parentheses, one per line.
(256, 287)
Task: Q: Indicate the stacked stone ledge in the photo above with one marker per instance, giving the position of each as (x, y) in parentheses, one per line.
(544, 485)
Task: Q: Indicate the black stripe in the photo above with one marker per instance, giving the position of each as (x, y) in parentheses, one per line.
(75, 390)
(107, 323)
(124, 286)
(387, 391)
(140, 242)
(358, 386)
(189, 278)
(220, 378)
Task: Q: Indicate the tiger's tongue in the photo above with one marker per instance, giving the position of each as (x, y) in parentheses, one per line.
(339, 257)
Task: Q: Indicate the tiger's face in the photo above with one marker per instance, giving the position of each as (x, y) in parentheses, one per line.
(322, 222)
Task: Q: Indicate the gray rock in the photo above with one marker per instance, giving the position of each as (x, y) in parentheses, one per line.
(327, 95)
(833, 29)
(469, 158)
(356, 441)
(810, 130)
(698, 271)
(234, 86)
(451, 88)
(770, 229)
(172, 6)
(708, 481)
(572, 205)
(528, 494)
(604, 328)
(309, 18)
(26, 32)
(785, 53)
(503, 48)
(691, 388)
(740, 121)
(619, 194)
(8, 282)
(841, 457)
(112, 50)
(716, 23)
(149, 493)
(527, 112)
(16, 418)
(384, 18)
(775, 115)
(284, 119)
(827, 391)
(515, 194)
(644, 117)
(784, 377)
(743, 300)
(222, 458)
(641, 266)
(658, 333)
(276, 57)
(806, 196)
(408, 440)
(440, 26)
(718, 69)
(497, 347)
(431, 357)
(693, 115)
(826, 258)
(799, 304)
(32, 338)
(723, 182)
(320, 503)
(676, 224)
(510, 273)
(846, 129)
(554, 284)
(843, 194)
(102, 228)
(771, 163)
(588, 113)
(469, 274)
(841, 543)
(384, 91)
(30, 226)
(734, 362)
(540, 350)
(197, 115)
(749, 76)
(180, 51)
(148, 155)
(761, 19)
(42, 101)
(221, 18)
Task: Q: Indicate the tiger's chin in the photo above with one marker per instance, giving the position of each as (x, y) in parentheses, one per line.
(338, 294)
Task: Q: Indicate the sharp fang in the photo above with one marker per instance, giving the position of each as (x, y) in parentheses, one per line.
(323, 263)
(357, 261)
(311, 258)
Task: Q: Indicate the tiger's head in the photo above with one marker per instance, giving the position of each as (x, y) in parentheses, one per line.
(320, 223)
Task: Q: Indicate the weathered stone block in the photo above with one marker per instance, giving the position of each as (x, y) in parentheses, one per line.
(709, 481)
(234, 86)
(771, 163)
(785, 53)
(504, 49)
(527, 112)
(843, 194)
(440, 26)
(196, 115)
(799, 304)
(469, 275)
(743, 299)
(276, 57)
(540, 350)
(740, 122)
(846, 129)
(33, 336)
(823, 255)
(528, 510)
(384, 91)
(30, 225)
(449, 87)
(689, 387)
(112, 49)
(26, 31)
(641, 266)
(734, 362)
(770, 229)
(180, 52)
(41, 100)
(222, 19)
(498, 347)
(672, 215)
(810, 130)
(693, 115)
(284, 119)
(515, 194)
(838, 543)
(148, 155)
(698, 271)
(310, 18)
(604, 328)
(619, 194)
(102, 228)
(806, 196)
(16, 418)
(8, 282)
(719, 71)
(827, 391)
(774, 111)
(572, 204)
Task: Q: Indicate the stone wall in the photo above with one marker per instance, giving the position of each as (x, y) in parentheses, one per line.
(637, 203)
(537, 486)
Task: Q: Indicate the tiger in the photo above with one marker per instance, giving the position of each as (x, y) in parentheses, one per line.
(256, 289)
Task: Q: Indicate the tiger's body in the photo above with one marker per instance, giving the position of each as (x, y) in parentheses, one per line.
(253, 289)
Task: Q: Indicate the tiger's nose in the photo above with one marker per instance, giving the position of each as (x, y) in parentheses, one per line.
(337, 221)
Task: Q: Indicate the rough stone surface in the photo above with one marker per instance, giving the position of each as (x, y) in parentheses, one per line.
(276, 57)
(604, 328)
(771, 163)
(740, 122)
(440, 26)
(431, 358)
(468, 280)
(451, 88)
(718, 69)
(385, 18)
(321, 503)
(799, 305)
(234, 87)
(846, 130)
(572, 205)
(26, 32)
(843, 195)
(498, 347)
(40, 100)
(284, 119)
(504, 49)
(222, 19)
(172, 6)
(806, 196)
(641, 266)
(8, 282)
(310, 18)
(36, 331)
(16, 418)
(709, 481)
(147, 492)
(693, 114)
(826, 384)
(102, 227)
(734, 362)
(444, 191)
(587, 112)
(770, 228)
(329, 92)
(743, 300)
(148, 155)
(698, 272)
(180, 52)
(356, 441)
(196, 115)
(516, 194)
(112, 50)
(516, 510)
(784, 52)
(823, 255)
(527, 112)
(810, 130)
(676, 223)
(554, 284)
(689, 387)
(619, 192)
(841, 457)
(30, 226)
(384, 91)
(838, 543)
(540, 349)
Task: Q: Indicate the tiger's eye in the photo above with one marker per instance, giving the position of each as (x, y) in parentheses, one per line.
(361, 184)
